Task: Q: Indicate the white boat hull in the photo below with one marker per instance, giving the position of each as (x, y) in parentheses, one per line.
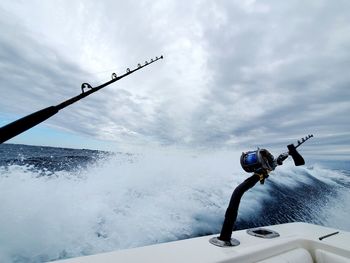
(298, 242)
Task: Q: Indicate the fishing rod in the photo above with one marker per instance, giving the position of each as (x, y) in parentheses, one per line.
(259, 162)
(17, 127)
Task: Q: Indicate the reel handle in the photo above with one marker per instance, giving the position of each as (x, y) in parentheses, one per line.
(297, 158)
(292, 151)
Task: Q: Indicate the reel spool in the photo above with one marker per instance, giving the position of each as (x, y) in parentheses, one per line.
(253, 161)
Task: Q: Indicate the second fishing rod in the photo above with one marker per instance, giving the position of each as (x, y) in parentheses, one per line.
(21, 125)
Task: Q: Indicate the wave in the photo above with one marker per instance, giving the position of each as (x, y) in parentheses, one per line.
(130, 201)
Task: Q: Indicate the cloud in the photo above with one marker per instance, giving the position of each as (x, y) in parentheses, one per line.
(235, 73)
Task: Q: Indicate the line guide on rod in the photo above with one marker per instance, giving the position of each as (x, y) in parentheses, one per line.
(116, 78)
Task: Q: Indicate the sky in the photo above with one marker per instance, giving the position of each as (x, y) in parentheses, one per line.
(235, 74)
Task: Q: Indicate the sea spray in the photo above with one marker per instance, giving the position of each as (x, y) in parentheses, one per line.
(124, 201)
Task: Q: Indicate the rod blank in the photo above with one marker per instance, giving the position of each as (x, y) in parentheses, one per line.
(21, 125)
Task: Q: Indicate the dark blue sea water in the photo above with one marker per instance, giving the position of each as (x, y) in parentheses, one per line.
(50, 159)
(59, 203)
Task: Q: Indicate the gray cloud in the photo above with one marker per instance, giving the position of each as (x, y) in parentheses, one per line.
(235, 74)
(280, 73)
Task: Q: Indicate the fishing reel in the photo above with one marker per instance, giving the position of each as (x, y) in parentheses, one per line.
(253, 161)
(262, 162)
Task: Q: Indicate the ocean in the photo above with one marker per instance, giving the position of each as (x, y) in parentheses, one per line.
(59, 203)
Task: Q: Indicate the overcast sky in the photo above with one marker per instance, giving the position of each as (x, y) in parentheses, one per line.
(235, 74)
